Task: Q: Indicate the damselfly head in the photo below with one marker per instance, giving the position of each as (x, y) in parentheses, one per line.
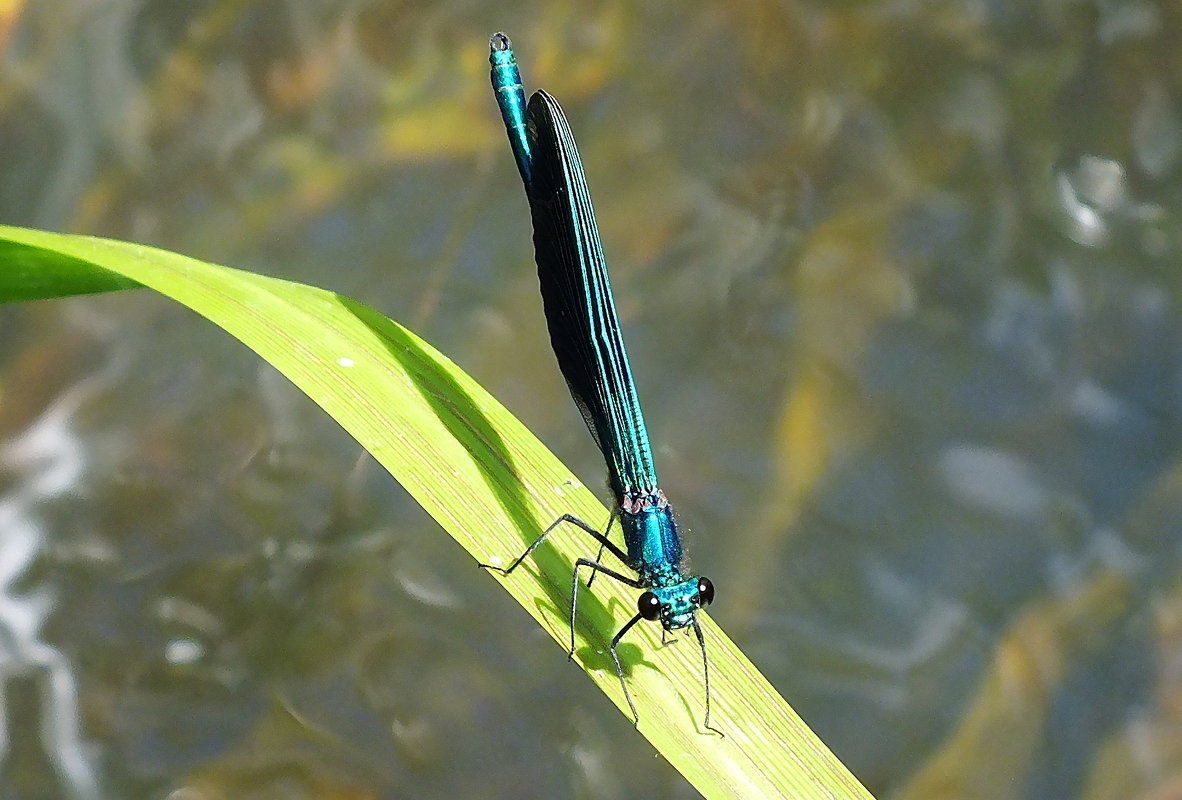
(675, 606)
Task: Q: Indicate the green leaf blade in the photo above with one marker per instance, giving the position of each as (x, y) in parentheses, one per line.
(487, 481)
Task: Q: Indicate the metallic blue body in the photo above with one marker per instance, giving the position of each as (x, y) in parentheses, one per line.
(588, 344)
(654, 548)
(506, 81)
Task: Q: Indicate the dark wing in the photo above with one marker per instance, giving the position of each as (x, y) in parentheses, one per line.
(580, 312)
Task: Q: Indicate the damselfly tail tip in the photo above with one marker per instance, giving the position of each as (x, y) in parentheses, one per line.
(499, 43)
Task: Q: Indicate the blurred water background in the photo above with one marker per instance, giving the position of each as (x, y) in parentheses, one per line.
(902, 294)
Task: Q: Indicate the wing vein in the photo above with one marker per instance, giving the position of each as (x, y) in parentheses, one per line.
(580, 312)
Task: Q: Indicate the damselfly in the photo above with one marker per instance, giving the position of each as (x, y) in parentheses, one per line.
(585, 335)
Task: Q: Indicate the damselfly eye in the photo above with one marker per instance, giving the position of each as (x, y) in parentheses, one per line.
(705, 592)
(649, 606)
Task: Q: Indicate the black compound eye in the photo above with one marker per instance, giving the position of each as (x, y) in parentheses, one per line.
(705, 592)
(649, 606)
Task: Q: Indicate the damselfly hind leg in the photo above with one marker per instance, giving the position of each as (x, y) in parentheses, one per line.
(571, 518)
(595, 568)
(606, 532)
(605, 545)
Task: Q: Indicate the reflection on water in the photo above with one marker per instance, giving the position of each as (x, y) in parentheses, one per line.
(900, 284)
(43, 753)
